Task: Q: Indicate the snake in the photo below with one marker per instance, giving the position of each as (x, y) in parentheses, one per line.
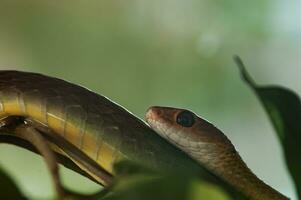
(209, 146)
(94, 127)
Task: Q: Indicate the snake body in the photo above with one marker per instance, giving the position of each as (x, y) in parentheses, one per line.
(210, 147)
(100, 128)
(107, 133)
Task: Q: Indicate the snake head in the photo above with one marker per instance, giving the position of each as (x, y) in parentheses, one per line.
(197, 137)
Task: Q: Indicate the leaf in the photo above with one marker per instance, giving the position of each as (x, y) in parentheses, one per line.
(136, 182)
(284, 109)
(9, 189)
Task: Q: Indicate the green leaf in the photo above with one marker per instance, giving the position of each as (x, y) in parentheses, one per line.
(284, 109)
(137, 182)
(9, 189)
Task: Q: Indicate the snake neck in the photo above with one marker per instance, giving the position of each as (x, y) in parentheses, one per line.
(234, 171)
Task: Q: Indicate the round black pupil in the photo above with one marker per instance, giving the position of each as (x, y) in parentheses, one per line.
(185, 118)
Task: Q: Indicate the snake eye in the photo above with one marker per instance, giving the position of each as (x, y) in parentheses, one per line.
(186, 118)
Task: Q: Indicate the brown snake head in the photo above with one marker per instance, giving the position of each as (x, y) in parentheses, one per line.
(194, 135)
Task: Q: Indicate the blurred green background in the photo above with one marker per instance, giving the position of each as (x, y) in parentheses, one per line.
(161, 52)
